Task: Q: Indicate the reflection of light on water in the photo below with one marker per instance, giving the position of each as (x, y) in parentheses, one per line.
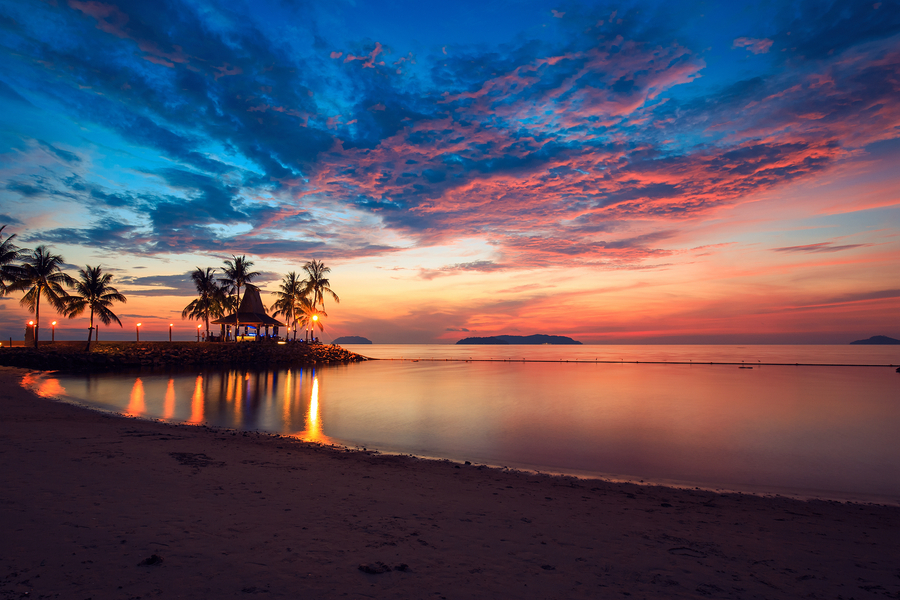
(136, 405)
(233, 394)
(287, 399)
(46, 388)
(313, 431)
(197, 401)
(169, 406)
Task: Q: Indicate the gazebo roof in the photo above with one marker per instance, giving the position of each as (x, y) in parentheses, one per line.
(250, 312)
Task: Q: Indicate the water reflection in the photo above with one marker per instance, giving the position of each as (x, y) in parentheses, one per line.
(45, 387)
(313, 431)
(776, 428)
(136, 405)
(197, 402)
(169, 406)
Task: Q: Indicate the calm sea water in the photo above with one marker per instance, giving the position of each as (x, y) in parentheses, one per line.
(802, 430)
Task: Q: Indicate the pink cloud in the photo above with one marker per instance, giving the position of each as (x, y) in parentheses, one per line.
(756, 46)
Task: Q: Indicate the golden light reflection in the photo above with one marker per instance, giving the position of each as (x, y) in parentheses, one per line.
(233, 394)
(197, 401)
(313, 431)
(169, 404)
(45, 388)
(136, 406)
(287, 400)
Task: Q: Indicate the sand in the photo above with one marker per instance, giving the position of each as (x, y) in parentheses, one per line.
(102, 506)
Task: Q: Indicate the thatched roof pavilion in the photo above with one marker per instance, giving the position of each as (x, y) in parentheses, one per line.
(251, 312)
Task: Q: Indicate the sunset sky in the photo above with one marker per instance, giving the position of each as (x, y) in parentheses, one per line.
(643, 172)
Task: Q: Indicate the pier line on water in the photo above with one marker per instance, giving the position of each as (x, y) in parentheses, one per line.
(629, 362)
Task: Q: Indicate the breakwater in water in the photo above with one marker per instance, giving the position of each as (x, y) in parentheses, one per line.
(114, 355)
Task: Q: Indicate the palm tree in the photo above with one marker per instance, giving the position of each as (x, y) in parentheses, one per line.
(309, 316)
(288, 298)
(93, 290)
(9, 253)
(211, 297)
(41, 275)
(238, 274)
(317, 284)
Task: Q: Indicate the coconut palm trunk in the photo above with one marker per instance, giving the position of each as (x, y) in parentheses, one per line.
(37, 316)
(90, 332)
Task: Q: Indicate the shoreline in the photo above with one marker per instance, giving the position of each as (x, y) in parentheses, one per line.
(89, 496)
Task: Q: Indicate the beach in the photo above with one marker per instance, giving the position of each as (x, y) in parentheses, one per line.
(101, 506)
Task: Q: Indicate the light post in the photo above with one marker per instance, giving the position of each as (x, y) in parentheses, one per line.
(53, 331)
(315, 320)
(33, 336)
(198, 333)
(137, 331)
(170, 333)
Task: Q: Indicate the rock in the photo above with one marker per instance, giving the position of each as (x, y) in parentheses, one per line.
(375, 568)
(151, 561)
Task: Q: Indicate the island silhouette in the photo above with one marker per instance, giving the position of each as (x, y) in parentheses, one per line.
(536, 339)
(352, 339)
(877, 340)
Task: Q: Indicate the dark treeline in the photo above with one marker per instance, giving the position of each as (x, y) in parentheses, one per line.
(38, 273)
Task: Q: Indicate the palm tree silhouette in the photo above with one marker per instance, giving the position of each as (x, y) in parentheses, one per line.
(317, 284)
(41, 275)
(9, 253)
(309, 316)
(211, 297)
(238, 274)
(289, 295)
(93, 290)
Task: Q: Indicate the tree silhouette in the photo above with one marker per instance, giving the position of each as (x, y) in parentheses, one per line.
(211, 298)
(41, 275)
(309, 316)
(93, 290)
(238, 274)
(289, 295)
(317, 283)
(9, 254)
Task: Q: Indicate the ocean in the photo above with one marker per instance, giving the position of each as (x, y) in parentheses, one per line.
(761, 419)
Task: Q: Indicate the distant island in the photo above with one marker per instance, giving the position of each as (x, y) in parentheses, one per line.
(352, 339)
(876, 340)
(537, 339)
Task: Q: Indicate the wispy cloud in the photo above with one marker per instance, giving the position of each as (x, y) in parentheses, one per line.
(820, 247)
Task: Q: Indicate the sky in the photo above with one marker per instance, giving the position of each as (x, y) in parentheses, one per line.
(625, 173)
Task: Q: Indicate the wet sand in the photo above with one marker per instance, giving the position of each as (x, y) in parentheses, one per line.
(101, 506)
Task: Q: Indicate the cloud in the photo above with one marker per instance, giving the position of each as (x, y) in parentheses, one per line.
(158, 285)
(6, 219)
(755, 46)
(820, 247)
(557, 149)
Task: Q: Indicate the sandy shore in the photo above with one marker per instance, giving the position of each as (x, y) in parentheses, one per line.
(86, 499)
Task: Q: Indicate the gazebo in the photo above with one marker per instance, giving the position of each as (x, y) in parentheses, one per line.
(251, 313)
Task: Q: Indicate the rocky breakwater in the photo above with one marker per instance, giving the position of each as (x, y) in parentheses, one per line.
(115, 355)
